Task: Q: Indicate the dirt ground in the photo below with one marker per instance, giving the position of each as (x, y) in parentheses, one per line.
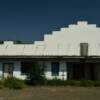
(52, 93)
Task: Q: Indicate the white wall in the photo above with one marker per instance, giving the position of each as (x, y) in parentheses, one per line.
(48, 70)
(66, 41)
(62, 70)
(17, 70)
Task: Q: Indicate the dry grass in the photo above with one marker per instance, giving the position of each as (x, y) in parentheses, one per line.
(52, 93)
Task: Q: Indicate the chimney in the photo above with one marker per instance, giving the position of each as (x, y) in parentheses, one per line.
(83, 49)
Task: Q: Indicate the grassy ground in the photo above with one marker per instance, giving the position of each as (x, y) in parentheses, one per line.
(52, 93)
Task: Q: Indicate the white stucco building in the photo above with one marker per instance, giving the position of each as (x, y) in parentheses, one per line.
(71, 53)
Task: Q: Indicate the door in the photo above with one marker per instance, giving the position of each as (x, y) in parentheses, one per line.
(7, 69)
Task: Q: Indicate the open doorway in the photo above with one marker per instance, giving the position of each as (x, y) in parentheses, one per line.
(80, 71)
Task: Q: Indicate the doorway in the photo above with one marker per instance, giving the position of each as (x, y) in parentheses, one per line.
(81, 71)
(78, 71)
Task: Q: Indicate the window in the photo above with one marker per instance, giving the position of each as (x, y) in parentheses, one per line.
(25, 66)
(55, 68)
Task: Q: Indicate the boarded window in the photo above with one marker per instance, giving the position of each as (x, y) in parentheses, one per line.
(84, 49)
(55, 68)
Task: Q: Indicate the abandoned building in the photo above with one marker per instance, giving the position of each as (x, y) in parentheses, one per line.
(73, 52)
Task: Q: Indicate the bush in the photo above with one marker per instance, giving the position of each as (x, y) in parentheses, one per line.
(58, 82)
(73, 82)
(13, 83)
(86, 83)
(1, 84)
(97, 83)
(55, 82)
(36, 74)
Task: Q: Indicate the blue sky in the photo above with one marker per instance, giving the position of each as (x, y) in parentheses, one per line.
(28, 20)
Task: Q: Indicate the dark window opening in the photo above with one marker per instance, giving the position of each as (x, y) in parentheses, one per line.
(55, 68)
(25, 67)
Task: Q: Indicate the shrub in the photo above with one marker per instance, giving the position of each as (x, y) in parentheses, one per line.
(13, 83)
(58, 82)
(73, 82)
(55, 82)
(97, 83)
(86, 83)
(1, 84)
(36, 74)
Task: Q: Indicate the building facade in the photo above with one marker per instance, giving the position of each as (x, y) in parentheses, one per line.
(73, 52)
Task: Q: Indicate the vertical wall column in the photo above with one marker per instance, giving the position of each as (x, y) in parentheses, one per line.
(17, 69)
(48, 70)
(63, 70)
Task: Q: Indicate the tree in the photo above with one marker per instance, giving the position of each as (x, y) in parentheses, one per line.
(18, 42)
(36, 74)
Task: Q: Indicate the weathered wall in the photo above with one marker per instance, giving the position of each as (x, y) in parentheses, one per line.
(17, 70)
(48, 73)
(62, 71)
(65, 42)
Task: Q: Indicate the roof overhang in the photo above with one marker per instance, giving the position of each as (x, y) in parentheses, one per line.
(67, 58)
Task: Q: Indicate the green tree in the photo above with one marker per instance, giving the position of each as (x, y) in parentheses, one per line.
(36, 74)
(18, 42)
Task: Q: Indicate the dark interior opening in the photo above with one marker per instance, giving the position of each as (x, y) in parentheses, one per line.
(25, 67)
(80, 71)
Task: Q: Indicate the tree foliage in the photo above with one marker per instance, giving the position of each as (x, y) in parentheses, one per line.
(36, 74)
